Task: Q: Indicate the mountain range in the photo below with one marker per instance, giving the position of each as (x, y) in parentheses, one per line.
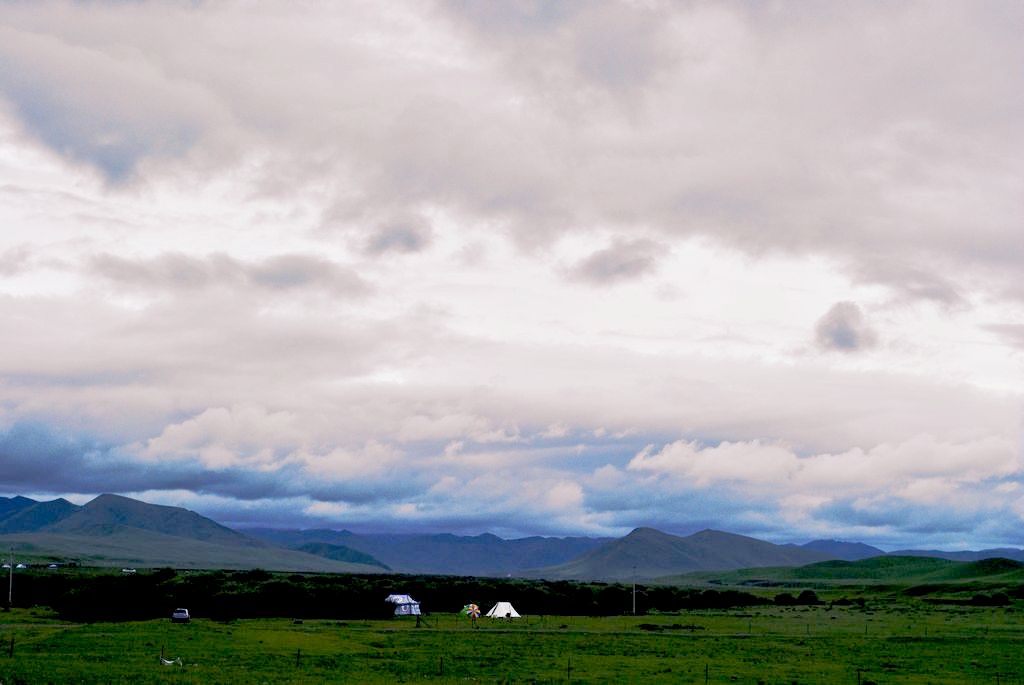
(119, 531)
(443, 554)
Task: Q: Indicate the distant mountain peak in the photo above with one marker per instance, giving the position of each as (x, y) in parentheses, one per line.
(105, 513)
(27, 515)
(111, 498)
(651, 553)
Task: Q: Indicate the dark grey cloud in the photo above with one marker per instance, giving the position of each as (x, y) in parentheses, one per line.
(176, 271)
(98, 108)
(403, 235)
(39, 458)
(843, 328)
(623, 260)
(891, 514)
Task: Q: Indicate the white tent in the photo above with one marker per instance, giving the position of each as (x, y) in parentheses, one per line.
(404, 605)
(503, 610)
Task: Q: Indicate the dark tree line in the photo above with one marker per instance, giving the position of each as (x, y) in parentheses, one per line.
(226, 595)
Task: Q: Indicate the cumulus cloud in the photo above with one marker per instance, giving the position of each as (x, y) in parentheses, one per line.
(220, 437)
(880, 490)
(758, 466)
(844, 328)
(280, 275)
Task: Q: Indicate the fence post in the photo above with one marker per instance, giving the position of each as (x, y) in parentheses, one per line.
(298, 655)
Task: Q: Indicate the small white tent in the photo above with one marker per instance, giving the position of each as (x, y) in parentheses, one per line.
(503, 610)
(404, 605)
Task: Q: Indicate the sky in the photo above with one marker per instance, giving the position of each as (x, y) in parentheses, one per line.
(532, 268)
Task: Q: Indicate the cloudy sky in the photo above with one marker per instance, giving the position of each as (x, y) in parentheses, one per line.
(529, 268)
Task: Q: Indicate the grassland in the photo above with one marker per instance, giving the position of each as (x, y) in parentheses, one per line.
(888, 640)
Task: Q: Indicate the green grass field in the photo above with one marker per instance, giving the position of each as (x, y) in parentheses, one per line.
(901, 642)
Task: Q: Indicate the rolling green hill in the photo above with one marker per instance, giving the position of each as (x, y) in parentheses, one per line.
(898, 570)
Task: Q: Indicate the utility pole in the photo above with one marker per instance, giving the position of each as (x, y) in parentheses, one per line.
(634, 590)
(10, 583)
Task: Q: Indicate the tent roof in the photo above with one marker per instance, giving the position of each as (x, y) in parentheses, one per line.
(401, 599)
(501, 609)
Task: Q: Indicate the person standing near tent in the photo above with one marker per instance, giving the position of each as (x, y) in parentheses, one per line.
(473, 611)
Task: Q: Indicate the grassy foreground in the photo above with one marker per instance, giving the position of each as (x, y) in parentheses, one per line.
(901, 644)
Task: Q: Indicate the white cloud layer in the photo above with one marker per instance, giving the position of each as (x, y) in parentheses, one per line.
(361, 266)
